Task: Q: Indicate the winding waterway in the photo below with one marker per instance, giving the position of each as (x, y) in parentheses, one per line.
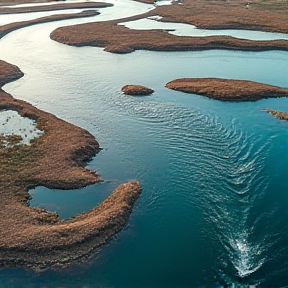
(213, 211)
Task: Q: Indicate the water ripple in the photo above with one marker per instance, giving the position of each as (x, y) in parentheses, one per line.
(224, 174)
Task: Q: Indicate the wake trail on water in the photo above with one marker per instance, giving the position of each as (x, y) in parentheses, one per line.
(221, 169)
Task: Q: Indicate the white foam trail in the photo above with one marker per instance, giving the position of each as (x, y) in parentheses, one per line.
(244, 262)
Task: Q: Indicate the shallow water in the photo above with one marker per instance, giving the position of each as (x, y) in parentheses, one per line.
(214, 203)
(123, 8)
(11, 123)
(181, 29)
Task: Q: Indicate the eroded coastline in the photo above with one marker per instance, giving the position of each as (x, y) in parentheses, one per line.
(33, 237)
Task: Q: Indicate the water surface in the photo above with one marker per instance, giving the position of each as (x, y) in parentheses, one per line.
(181, 29)
(214, 203)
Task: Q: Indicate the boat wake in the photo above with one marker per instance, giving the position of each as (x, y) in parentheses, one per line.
(223, 170)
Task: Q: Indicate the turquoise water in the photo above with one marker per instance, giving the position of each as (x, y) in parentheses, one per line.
(213, 211)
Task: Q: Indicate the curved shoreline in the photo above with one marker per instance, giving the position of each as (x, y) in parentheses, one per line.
(269, 15)
(136, 90)
(33, 237)
(6, 29)
(227, 89)
(278, 114)
(54, 7)
(202, 14)
(120, 39)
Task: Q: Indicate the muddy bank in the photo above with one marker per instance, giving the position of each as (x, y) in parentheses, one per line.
(227, 89)
(278, 114)
(33, 237)
(136, 90)
(60, 6)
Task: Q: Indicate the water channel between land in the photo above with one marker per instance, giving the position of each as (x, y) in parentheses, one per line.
(214, 205)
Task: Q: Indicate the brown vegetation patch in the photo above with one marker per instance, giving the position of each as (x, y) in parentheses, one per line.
(136, 90)
(278, 114)
(16, 2)
(5, 29)
(61, 6)
(264, 15)
(119, 39)
(227, 89)
(36, 238)
(9, 73)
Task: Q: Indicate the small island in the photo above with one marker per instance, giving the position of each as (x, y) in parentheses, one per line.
(33, 237)
(259, 15)
(227, 89)
(278, 114)
(136, 90)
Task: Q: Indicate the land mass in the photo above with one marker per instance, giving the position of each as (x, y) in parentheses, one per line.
(261, 15)
(120, 39)
(227, 89)
(60, 6)
(33, 237)
(135, 90)
(16, 2)
(278, 114)
(8, 28)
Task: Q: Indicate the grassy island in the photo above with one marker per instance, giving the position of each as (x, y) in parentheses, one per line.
(227, 89)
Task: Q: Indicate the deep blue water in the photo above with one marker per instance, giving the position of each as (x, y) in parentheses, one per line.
(214, 203)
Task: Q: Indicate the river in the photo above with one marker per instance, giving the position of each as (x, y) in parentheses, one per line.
(213, 212)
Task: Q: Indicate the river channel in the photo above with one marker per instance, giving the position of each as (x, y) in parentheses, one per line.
(214, 206)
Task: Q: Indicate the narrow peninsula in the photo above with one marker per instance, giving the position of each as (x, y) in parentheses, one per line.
(33, 237)
(278, 114)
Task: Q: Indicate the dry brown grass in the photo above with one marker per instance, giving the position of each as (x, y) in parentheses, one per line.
(278, 114)
(210, 14)
(264, 15)
(60, 6)
(119, 39)
(136, 90)
(34, 237)
(227, 89)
